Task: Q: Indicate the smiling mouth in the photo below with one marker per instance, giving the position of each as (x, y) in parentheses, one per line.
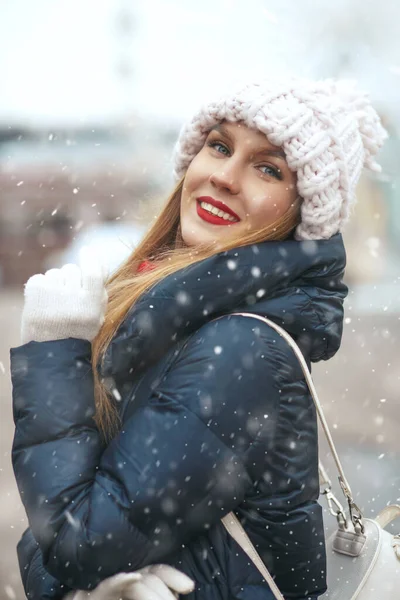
(211, 214)
(215, 212)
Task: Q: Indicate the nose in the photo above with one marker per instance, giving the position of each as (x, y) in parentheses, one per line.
(226, 178)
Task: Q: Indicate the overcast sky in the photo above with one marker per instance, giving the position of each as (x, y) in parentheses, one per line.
(58, 58)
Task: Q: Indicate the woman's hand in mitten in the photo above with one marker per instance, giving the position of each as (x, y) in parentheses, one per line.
(65, 303)
(156, 582)
(159, 582)
(112, 588)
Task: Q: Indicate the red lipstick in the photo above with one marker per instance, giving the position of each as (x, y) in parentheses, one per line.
(215, 219)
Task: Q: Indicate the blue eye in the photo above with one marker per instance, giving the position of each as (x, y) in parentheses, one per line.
(224, 150)
(221, 148)
(275, 172)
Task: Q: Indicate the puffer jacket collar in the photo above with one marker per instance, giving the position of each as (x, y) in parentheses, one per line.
(296, 283)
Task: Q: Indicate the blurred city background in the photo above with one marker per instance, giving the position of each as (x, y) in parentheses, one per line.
(92, 95)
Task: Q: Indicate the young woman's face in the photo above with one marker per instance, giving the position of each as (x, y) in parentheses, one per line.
(238, 183)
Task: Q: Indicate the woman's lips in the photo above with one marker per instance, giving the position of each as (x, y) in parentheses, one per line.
(211, 218)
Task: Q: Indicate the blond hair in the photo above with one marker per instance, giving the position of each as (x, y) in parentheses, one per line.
(163, 245)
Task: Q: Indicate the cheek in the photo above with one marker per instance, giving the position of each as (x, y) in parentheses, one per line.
(267, 206)
(198, 172)
(192, 174)
(195, 176)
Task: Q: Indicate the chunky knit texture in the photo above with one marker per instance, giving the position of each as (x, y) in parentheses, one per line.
(328, 130)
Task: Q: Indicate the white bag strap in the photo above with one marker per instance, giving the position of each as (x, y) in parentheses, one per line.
(355, 512)
(235, 529)
(231, 522)
(313, 391)
(388, 514)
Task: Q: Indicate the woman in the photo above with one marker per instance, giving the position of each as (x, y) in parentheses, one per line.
(197, 412)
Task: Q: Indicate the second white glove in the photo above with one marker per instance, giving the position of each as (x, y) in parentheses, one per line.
(155, 582)
(66, 302)
(159, 582)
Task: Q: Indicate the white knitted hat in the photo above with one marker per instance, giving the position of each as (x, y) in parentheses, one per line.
(328, 130)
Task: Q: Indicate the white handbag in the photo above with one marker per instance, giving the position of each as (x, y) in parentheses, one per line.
(363, 560)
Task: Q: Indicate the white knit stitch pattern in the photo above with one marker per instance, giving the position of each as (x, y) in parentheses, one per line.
(328, 130)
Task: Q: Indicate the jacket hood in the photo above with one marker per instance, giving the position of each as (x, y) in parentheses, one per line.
(297, 284)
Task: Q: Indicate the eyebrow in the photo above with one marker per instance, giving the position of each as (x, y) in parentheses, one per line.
(261, 151)
(268, 152)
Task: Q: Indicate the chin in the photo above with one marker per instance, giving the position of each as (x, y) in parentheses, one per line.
(192, 237)
(195, 237)
(194, 232)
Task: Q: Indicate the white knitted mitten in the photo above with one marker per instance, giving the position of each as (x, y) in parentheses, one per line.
(156, 582)
(65, 303)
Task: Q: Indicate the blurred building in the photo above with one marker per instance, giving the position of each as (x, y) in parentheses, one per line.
(372, 235)
(55, 184)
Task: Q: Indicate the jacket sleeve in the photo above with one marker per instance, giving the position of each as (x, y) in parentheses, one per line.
(38, 583)
(184, 459)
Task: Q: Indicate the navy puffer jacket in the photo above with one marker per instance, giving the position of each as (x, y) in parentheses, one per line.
(216, 417)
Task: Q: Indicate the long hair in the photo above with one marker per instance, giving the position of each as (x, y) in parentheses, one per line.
(163, 245)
